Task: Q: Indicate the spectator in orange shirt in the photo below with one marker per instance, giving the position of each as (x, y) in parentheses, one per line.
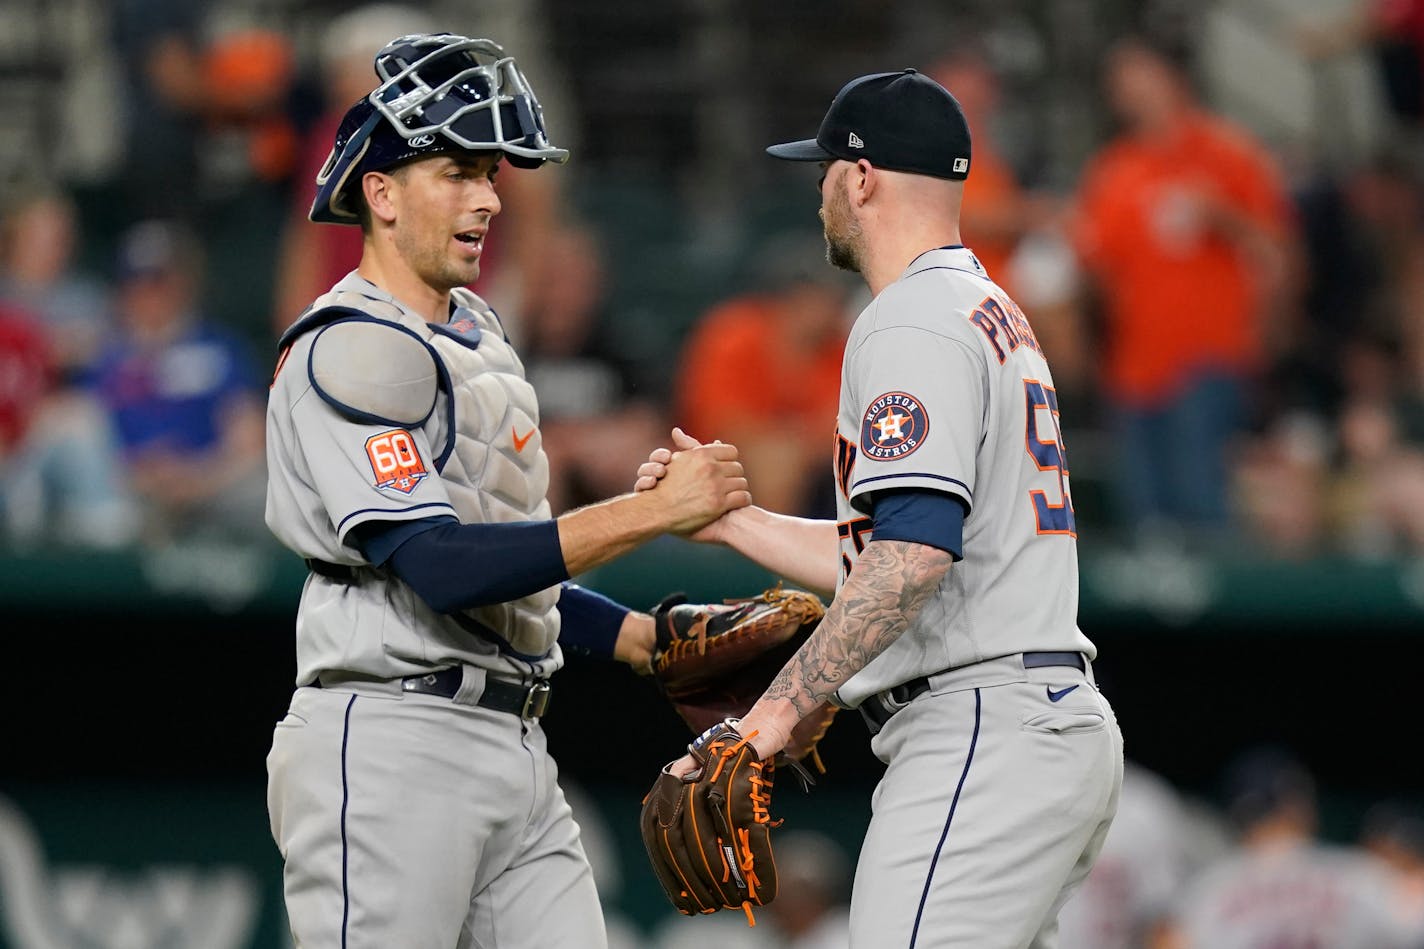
(1183, 225)
(763, 371)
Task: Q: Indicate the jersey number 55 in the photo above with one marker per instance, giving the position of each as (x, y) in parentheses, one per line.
(1044, 441)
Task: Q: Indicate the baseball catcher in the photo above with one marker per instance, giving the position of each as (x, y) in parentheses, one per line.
(708, 834)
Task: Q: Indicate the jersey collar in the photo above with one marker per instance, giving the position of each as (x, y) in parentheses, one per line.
(355, 283)
(949, 257)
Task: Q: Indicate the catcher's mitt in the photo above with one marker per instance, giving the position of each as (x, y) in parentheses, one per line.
(708, 835)
(713, 661)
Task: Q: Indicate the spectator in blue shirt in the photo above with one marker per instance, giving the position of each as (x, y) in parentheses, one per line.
(185, 396)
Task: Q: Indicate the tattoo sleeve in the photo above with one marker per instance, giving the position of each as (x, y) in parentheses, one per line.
(889, 586)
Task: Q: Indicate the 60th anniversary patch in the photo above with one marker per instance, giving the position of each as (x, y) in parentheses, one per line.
(893, 426)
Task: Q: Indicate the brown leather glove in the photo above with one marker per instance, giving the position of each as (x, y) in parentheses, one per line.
(708, 835)
(713, 661)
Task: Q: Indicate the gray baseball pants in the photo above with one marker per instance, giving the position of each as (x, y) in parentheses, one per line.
(993, 807)
(414, 821)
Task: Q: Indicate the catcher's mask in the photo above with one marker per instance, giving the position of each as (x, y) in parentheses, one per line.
(438, 93)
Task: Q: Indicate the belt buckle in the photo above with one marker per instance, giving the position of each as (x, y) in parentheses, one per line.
(878, 709)
(536, 700)
(894, 699)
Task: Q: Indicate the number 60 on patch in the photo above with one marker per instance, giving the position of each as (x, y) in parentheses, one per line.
(395, 461)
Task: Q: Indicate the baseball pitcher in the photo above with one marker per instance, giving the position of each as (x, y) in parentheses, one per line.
(954, 559)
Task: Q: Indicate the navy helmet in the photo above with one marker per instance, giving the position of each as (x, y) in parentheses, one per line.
(439, 93)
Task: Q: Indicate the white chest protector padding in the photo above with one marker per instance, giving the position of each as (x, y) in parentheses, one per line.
(495, 471)
(376, 369)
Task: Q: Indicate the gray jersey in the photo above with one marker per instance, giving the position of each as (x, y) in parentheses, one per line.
(944, 387)
(337, 458)
(1295, 895)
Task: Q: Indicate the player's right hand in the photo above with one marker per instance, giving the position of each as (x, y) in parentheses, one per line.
(652, 471)
(701, 483)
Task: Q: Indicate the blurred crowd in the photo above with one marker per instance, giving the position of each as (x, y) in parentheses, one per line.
(1245, 869)
(1234, 310)
(1232, 303)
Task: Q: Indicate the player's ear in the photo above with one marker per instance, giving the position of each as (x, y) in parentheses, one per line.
(378, 189)
(863, 181)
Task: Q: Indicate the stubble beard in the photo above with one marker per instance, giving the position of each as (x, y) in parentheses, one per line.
(432, 263)
(843, 235)
(841, 253)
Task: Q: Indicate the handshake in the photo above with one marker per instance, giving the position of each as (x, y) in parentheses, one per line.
(693, 485)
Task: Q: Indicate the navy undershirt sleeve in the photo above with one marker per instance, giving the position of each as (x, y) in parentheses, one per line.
(591, 622)
(921, 516)
(454, 566)
(377, 540)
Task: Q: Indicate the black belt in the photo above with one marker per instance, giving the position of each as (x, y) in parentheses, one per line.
(340, 572)
(527, 700)
(877, 711)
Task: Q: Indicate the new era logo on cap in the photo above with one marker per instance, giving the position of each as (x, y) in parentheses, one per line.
(855, 141)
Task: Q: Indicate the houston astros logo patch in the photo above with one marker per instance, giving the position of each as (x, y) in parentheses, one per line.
(893, 427)
(396, 461)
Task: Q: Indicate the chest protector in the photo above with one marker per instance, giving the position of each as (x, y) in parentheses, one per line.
(484, 429)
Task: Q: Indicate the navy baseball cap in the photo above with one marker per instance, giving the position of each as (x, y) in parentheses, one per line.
(901, 121)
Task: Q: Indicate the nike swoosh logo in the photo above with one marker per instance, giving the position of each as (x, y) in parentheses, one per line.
(519, 443)
(1055, 696)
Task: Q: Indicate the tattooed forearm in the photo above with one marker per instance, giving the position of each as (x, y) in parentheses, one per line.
(885, 592)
